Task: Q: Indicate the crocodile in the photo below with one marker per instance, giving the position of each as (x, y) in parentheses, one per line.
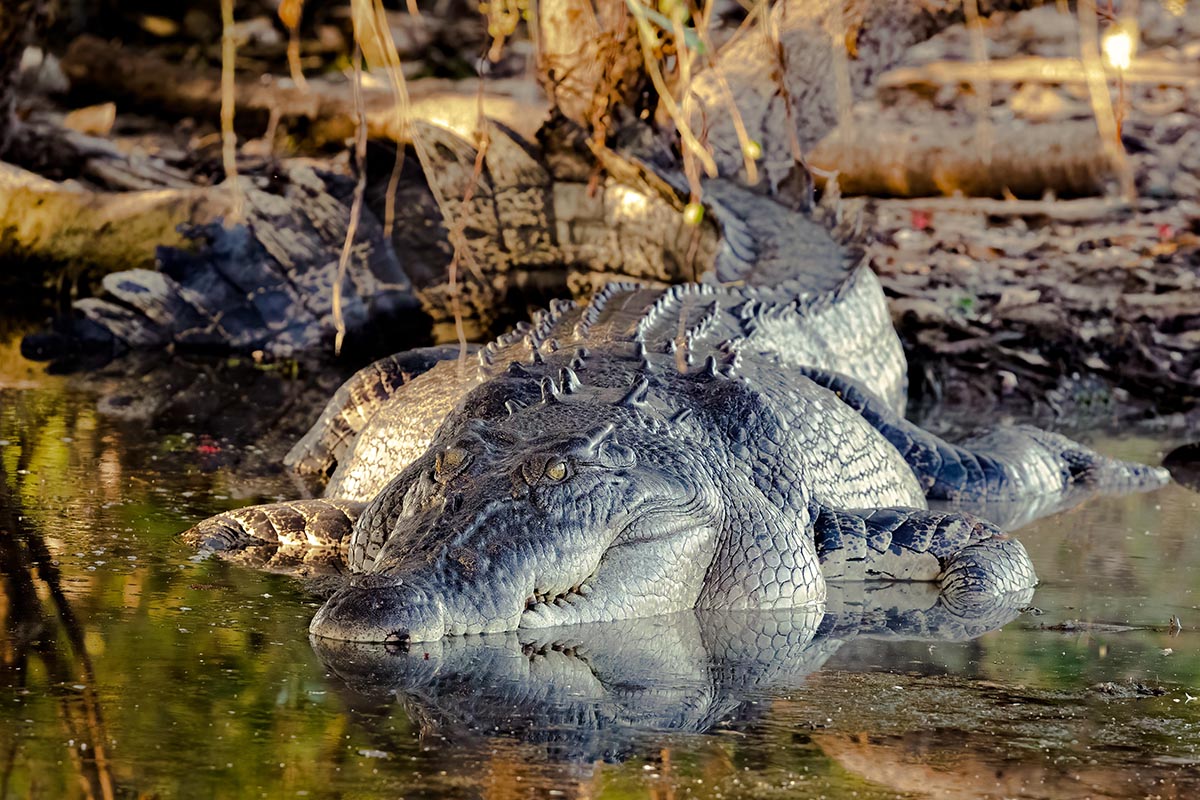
(712, 445)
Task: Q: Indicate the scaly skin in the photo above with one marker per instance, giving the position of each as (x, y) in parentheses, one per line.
(657, 451)
(586, 692)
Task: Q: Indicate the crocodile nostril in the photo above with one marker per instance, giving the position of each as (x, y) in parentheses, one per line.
(397, 641)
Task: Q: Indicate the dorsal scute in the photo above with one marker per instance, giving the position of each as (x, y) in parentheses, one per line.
(570, 381)
(517, 370)
(637, 395)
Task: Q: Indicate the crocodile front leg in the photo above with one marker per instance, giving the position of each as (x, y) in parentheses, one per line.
(969, 557)
(280, 534)
(766, 557)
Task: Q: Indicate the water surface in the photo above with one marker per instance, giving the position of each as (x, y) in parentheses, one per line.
(129, 668)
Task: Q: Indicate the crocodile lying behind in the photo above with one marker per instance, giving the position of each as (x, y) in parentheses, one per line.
(654, 450)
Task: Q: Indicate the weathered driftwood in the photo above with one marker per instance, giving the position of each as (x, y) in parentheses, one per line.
(1024, 159)
(795, 78)
(186, 279)
(321, 113)
(68, 224)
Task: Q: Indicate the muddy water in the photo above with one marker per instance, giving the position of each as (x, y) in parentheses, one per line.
(128, 668)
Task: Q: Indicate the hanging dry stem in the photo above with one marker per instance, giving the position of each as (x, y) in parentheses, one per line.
(228, 136)
(373, 35)
(290, 13)
(981, 97)
(1102, 108)
(360, 153)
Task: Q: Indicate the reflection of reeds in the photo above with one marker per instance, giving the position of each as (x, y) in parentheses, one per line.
(26, 562)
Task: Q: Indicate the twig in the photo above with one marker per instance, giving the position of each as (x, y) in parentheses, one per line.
(691, 144)
(981, 99)
(751, 150)
(371, 22)
(290, 12)
(360, 152)
(1101, 101)
(459, 223)
(1087, 209)
(228, 136)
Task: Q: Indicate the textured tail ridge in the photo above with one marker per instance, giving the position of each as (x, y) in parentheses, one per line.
(299, 524)
(1091, 469)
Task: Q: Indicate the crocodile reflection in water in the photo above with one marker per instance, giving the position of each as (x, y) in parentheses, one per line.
(587, 692)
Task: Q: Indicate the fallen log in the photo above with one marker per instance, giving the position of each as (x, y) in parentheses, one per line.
(186, 279)
(893, 159)
(1036, 69)
(320, 114)
(68, 224)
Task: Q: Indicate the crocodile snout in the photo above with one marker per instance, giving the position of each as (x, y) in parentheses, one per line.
(380, 610)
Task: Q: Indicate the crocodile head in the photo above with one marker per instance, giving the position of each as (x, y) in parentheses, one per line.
(569, 510)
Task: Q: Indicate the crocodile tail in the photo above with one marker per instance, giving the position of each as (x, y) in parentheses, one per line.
(355, 402)
(280, 535)
(1102, 473)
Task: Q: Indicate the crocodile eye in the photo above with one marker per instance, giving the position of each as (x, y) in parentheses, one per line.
(556, 471)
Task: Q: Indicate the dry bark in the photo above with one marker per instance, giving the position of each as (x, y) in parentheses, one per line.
(1019, 158)
(320, 114)
(786, 86)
